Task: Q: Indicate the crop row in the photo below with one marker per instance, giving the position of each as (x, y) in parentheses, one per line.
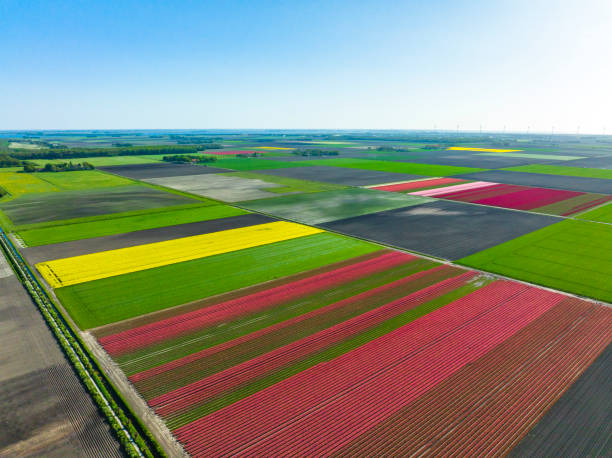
(132, 339)
(489, 312)
(463, 412)
(225, 355)
(187, 396)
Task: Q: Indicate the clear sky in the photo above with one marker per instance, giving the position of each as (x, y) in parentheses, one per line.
(307, 64)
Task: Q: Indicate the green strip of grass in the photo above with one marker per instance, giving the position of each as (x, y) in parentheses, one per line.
(603, 214)
(328, 354)
(552, 157)
(571, 256)
(563, 170)
(111, 226)
(108, 300)
(397, 167)
(252, 163)
(82, 179)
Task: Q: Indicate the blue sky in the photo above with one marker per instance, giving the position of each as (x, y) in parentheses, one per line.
(307, 64)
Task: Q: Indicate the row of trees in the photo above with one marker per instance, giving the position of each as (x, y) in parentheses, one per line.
(314, 152)
(185, 158)
(8, 161)
(62, 167)
(70, 153)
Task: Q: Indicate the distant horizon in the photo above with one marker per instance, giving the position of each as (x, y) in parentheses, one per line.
(311, 130)
(444, 65)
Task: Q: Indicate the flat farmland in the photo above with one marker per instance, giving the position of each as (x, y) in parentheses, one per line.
(49, 252)
(571, 256)
(120, 223)
(579, 423)
(55, 206)
(365, 356)
(321, 207)
(539, 200)
(83, 179)
(246, 164)
(339, 175)
(595, 185)
(160, 169)
(602, 214)
(566, 170)
(445, 229)
(397, 167)
(108, 300)
(44, 409)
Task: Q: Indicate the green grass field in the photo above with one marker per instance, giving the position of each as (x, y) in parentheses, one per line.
(327, 206)
(397, 167)
(563, 170)
(603, 214)
(84, 228)
(113, 299)
(570, 256)
(244, 164)
(552, 157)
(19, 184)
(85, 179)
(288, 184)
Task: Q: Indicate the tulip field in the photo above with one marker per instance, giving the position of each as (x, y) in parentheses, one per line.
(390, 299)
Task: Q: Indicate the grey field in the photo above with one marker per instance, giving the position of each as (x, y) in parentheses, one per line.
(42, 253)
(44, 409)
(580, 423)
(223, 187)
(56, 206)
(340, 175)
(445, 229)
(597, 185)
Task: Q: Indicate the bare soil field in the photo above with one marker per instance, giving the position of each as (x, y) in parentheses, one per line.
(37, 254)
(55, 206)
(341, 175)
(157, 170)
(445, 229)
(580, 423)
(596, 185)
(44, 409)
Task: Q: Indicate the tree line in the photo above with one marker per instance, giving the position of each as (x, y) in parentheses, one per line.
(70, 153)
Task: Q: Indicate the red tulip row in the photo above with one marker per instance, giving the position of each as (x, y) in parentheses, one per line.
(240, 374)
(487, 407)
(322, 316)
(152, 333)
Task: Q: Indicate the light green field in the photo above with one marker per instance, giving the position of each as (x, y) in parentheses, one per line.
(571, 256)
(84, 228)
(253, 163)
(19, 184)
(603, 214)
(563, 170)
(552, 157)
(397, 167)
(83, 179)
(286, 185)
(328, 206)
(112, 299)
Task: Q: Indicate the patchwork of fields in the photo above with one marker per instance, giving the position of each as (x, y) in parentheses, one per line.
(268, 307)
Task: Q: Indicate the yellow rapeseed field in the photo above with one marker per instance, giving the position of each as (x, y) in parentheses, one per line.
(484, 150)
(80, 269)
(271, 147)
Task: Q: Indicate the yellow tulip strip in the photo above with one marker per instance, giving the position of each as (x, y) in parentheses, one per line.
(80, 269)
